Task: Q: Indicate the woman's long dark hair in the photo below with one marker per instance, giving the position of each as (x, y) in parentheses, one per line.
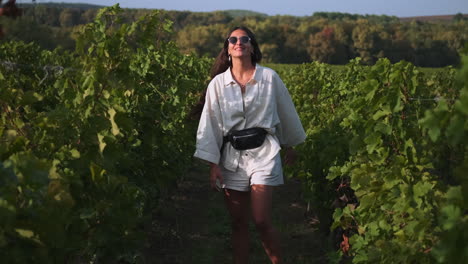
(222, 63)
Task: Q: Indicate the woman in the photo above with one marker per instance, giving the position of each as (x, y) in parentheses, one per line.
(243, 95)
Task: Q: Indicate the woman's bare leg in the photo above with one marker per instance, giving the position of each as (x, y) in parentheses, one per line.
(261, 199)
(238, 204)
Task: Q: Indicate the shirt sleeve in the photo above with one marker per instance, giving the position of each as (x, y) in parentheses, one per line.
(289, 131)
(210, 132)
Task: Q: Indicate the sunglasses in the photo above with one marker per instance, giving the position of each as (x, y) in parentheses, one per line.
(243, 40)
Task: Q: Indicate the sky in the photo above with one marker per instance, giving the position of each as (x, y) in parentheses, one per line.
(399, 8)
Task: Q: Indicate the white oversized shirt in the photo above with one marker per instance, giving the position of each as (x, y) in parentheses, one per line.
(266, 103)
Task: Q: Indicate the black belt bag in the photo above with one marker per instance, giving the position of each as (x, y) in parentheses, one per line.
(247, 138)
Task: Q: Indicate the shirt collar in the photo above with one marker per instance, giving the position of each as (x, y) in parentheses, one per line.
(228, 79)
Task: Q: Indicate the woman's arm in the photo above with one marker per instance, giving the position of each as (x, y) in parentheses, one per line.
(290, 156)
(215, 175)
(210, 131)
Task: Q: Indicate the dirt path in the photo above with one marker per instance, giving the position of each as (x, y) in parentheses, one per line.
(193, 227)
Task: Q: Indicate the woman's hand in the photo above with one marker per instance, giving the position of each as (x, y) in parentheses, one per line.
(215, 174)
(290, 156)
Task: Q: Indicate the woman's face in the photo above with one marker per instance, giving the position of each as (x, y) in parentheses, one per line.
(241, 47)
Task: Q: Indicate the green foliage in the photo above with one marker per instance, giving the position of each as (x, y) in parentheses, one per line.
(384, 158)
(318, 104)
(90, 138)
(328, 37)
(448, 124)
(395, 193)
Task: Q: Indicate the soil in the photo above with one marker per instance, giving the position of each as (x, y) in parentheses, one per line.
(192, 226)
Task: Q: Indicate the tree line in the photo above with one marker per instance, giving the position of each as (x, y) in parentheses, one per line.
(328, 37)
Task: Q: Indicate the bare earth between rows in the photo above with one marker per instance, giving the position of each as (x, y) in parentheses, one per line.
(191, 225)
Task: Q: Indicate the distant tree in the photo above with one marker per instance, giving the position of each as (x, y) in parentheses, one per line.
(280, 40)
(454, 36)
(70, 17)
(27, 30)
(88, 16)
(434, 54)
(178, 18)
(330, 37)
(295, 46)
(202, 40)
(310, 27)
(366, 38)
(324, 47)
(343, 42)
(45, 15)
(270, 52)
(336, 15)
(206, 19)
(271, 40)
(396, 45)
(459, 17)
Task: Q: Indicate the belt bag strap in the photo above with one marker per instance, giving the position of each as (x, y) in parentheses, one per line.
(249, 138)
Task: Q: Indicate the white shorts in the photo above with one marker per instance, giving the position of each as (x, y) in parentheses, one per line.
(249, 172)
